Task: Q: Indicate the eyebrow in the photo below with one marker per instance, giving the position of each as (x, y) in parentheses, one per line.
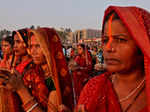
(115, 35)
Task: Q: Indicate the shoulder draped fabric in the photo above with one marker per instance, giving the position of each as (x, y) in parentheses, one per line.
(34, 79)
(98, 95)
(52, 49)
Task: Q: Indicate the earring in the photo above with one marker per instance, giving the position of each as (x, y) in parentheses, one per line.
(112, 49)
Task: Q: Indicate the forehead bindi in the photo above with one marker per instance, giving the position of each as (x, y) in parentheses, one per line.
(34, 40)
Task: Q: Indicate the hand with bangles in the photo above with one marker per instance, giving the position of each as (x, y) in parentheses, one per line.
(13, 81)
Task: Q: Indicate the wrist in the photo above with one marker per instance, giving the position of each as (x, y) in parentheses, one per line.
(24, 95)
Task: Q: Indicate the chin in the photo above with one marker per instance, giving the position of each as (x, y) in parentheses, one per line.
(112, 69)
(36, 62)
(17, 54)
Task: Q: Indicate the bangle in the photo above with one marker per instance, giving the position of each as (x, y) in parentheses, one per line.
(30, 102)
(31, 108)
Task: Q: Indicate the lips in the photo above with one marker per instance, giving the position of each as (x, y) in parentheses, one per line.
(15, 50)
(36, 58)
(112, 61)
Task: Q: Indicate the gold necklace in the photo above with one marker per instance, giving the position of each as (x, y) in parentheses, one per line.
(132, 92)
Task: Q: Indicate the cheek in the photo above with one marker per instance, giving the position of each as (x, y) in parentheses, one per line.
(3, 48)
(8, 47)
(19, 46)
(39, 51)
(128, 55)
(43, 58)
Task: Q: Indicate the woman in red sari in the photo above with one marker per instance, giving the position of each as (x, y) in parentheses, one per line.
(22, 58)
(125, 86)
(19, 61)
(81, 66)
(9, 102)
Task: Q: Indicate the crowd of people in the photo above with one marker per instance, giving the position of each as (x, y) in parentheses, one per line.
(39, 74)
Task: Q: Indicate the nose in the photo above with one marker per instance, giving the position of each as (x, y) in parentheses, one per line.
(110, 46)
(33, 51)
(15, 45)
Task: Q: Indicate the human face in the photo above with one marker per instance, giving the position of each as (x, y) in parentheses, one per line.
(6, 47)
(36, 52)
(19, 46)
(80, 50)
(120, 53)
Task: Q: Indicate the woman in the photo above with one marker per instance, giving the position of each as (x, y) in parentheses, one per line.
(7, 49)
(46, 51)
(22, 58)
(19, 61)
(125, 86)
(81, 67)
(8, 99)
(50, 45)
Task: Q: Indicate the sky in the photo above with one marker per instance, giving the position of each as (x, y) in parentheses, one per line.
(74, 14)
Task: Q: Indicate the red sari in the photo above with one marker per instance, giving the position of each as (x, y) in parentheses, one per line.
(81, 76)
(35, 81)
(9, 101)
(99, 95)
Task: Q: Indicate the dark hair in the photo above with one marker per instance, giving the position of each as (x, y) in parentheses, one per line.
(82, 45)
(9, 39)
(24, 35)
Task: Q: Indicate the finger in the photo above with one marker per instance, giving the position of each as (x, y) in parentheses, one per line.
(15, 72)
(5, 71)
(3, 76)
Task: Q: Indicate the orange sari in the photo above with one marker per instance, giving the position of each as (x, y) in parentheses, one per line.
(58, 69)
(99, 95)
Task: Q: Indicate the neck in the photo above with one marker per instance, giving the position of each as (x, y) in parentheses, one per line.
(44, 66)
(24, 57)
(7, 56)
(130, 77)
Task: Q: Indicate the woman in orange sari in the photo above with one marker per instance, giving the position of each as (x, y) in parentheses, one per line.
(9, 101)
(125, 86)
(19, 61)
(32, 78)
(7, 49)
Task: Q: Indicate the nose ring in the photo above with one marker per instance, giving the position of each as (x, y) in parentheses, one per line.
(112, 49)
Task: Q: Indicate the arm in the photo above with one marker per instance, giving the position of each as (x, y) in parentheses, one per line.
(26, 98)
(14, 82)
